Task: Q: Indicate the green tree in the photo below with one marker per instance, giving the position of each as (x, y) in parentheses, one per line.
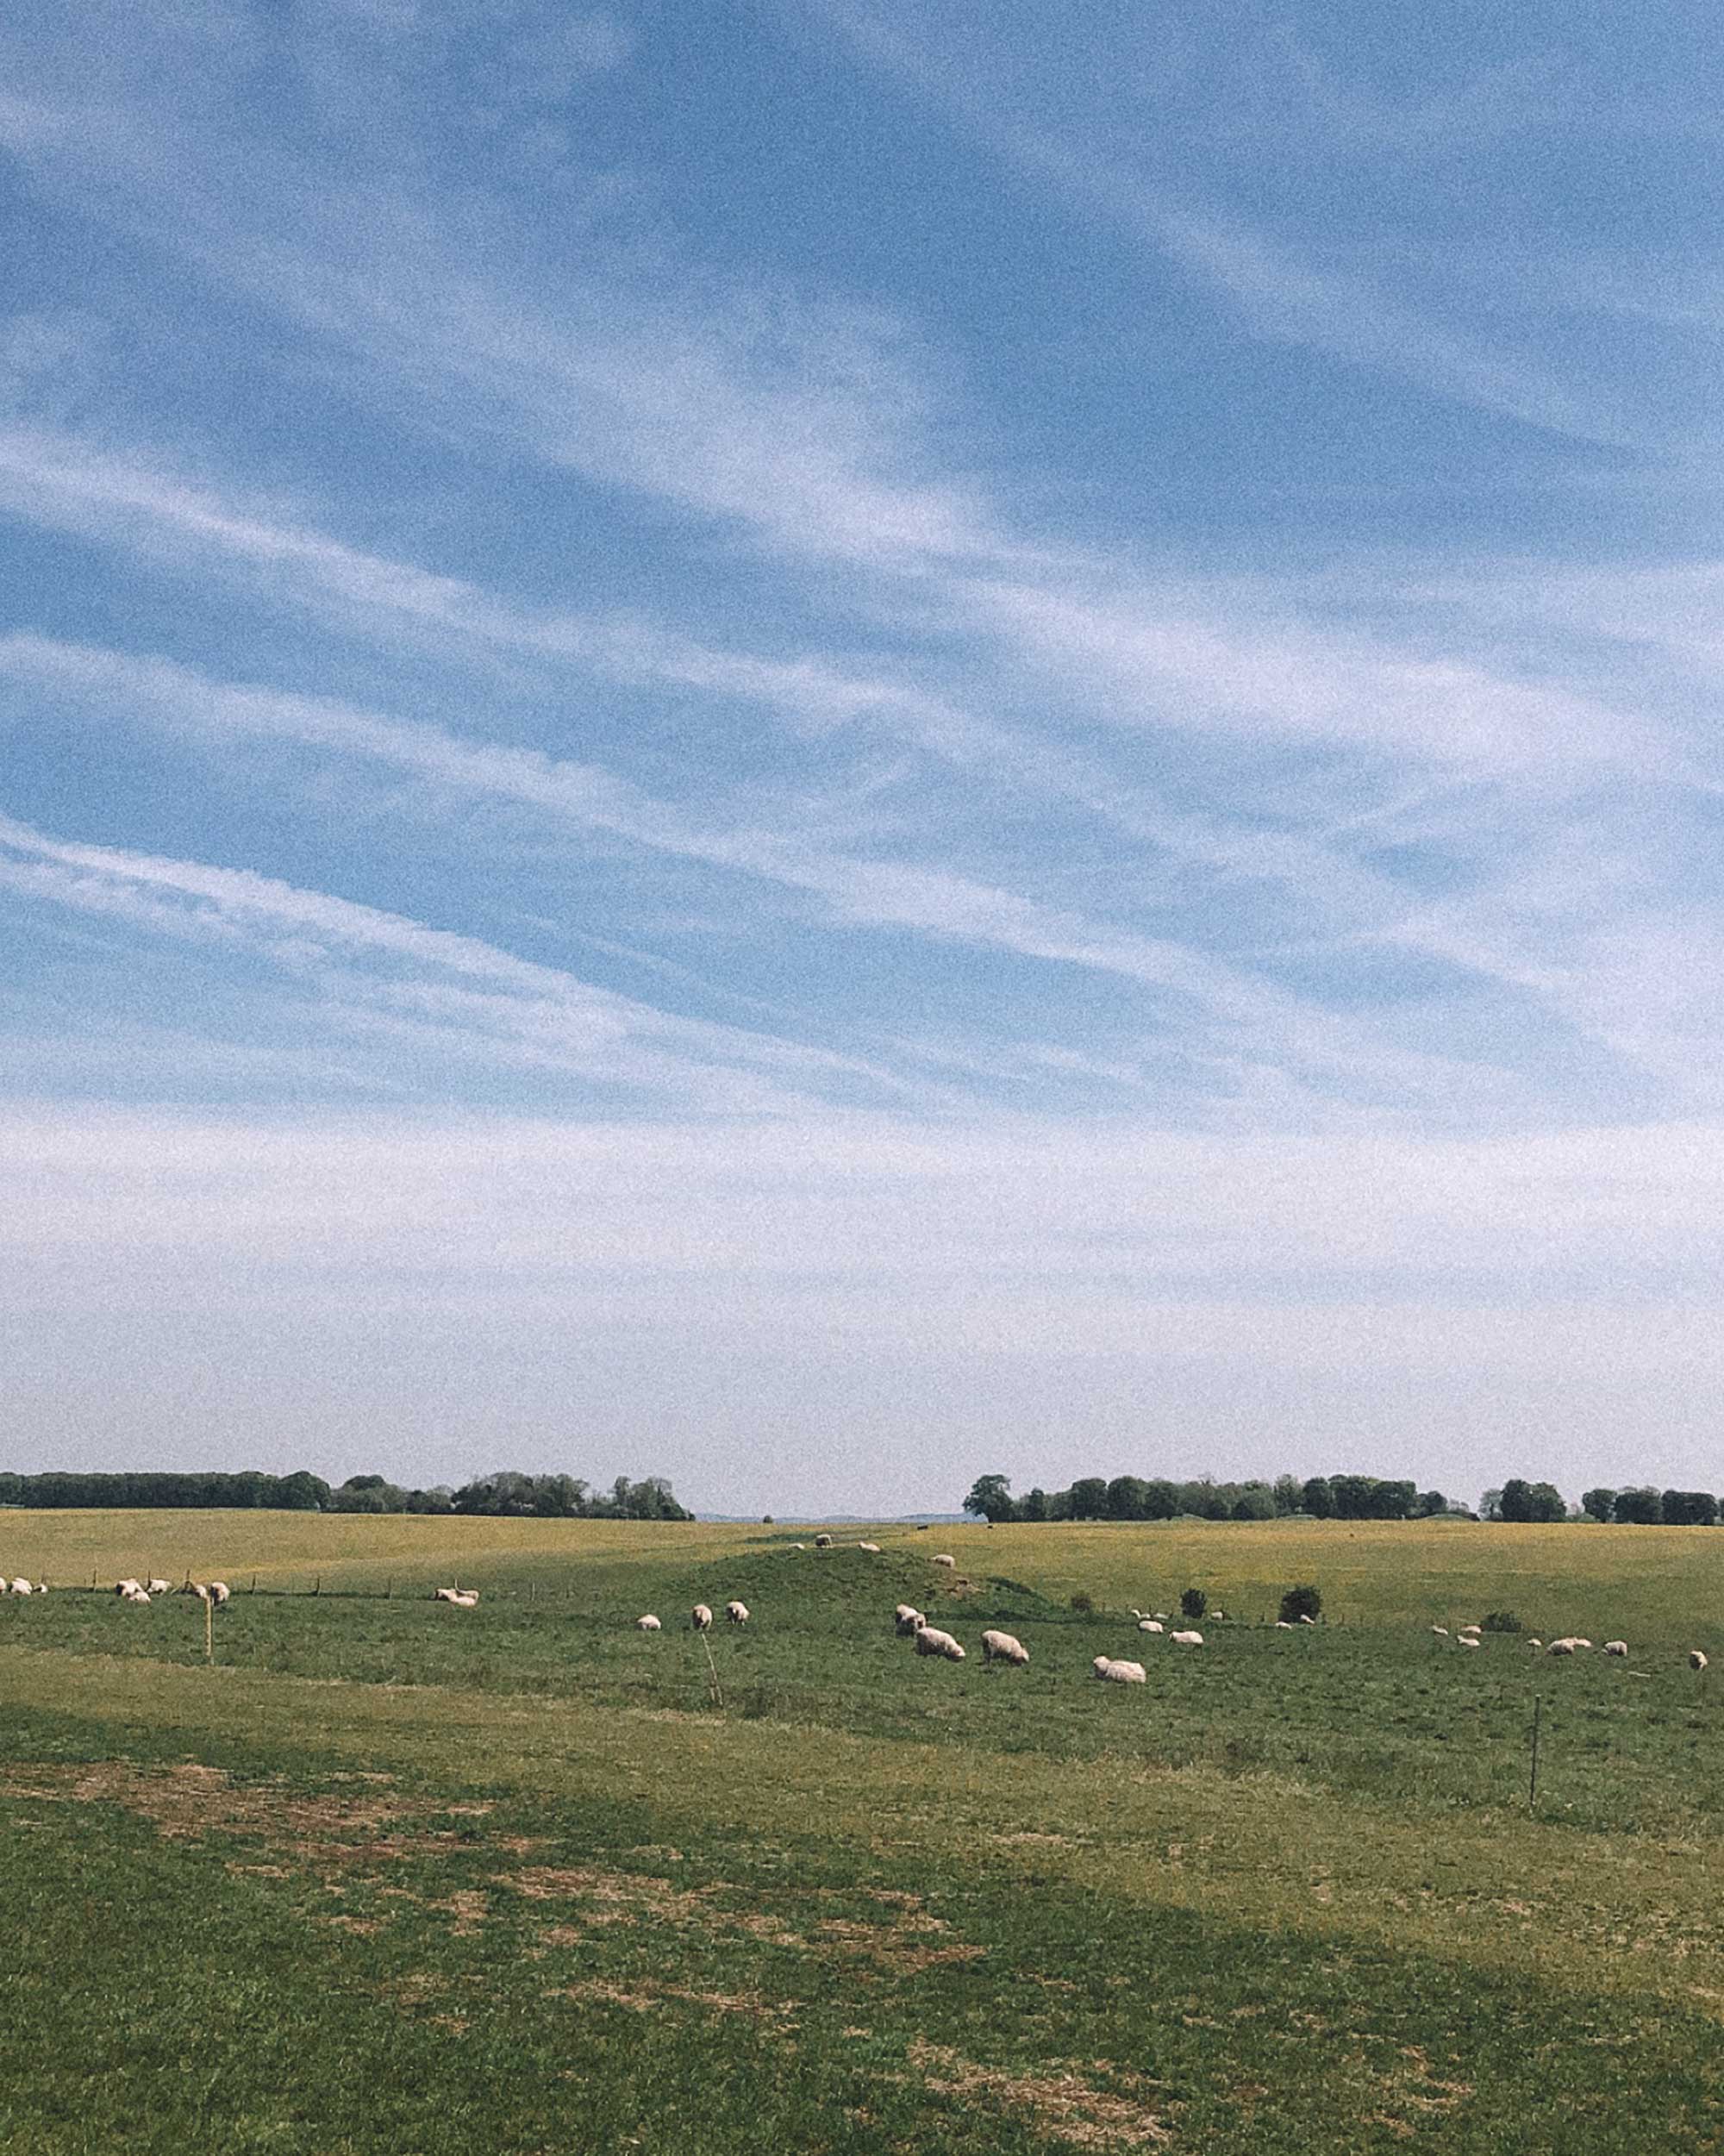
(990, 1498)
(1596, 1503)
(1192, 1604)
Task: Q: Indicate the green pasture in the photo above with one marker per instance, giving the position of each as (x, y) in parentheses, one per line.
(390, 1877)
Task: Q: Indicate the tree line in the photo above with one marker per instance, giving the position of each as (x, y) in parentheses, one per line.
(1330, 1498)
(504, 1493)
(1157, 1498)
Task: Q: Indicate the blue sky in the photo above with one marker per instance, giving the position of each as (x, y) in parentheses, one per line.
(823, 745)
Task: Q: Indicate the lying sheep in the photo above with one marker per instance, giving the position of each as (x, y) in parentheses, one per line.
(701, 1617)
(219, 1591)
(19, 1587)
(907, 1619)
(1284, 1624)
(1535, 1643)
(1696, 1661)
(1149, 1624)
(1113, 1671)
(1469, 1638)
(157, 1587)
(1186, 1639)
(929, 1639)
(466, 1599)
(1003, 1646)
(822, 1541)
(1560, 1646)
(135, 1594)
(1439, 1632)
(872, 1548)
(127, 1588)
(1618, 1647)
(647, 1624)
(1307, 1620)
(949, 1561)
(736, 1613)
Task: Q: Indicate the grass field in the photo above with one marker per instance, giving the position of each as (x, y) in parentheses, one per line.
(389, 1876)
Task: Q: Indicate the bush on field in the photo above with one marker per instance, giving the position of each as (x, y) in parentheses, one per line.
(1499, 1621)
(1301, 1602)
(1083, 1603)
(1193, 1602)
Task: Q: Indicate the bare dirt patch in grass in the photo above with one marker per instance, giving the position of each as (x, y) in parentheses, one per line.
(644, 1996)
(1064, 2105)
(189, 1803)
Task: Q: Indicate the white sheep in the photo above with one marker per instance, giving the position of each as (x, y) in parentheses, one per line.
(21, 1587)
(1579, 1642)
(1114, 1672)
(1468, 1638)
(1161, 1617)
(822, 1541)
(1217, 1616)
(467, 1599)
(872, 1548)
(1535, 1643)
(647, 1624)
(1283, 1624)
(1186, 1639)
(1618, 1647)
(196, 1587)
(930, 1640)
(1696, 1661)
(1149, 1624)
(947, 1561)
(1560, 1646)
(127, 1588)
(1439, 1632)
(701, 1617)
(1307, 1620)
(1003, 1646)
(736, 1613)
(219, 1591)
(907, 1619)
(158, 1586)
(135, 1594)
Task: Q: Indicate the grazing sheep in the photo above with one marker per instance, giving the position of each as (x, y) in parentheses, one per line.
(21, 1587)
(1468, 1638)
(1469, 1631)
(1696, 1661)
(736, 1613)
(1284, 1624)
(219, 1591)
(701, 1617)
(1113, 1671)
(1439, 1632)
(1002, 1646)
(1307, 1620)
(1186, 1639)
(1560, 1646)
(1148, 1624)
(1535, 1643)
(907, 1619)
(1579, 1642)
(929, 1639)
(647, 1624)
(1618, 1647)
(946, 1560)
(822, 1541)
(872, 1548)
(799, 1546)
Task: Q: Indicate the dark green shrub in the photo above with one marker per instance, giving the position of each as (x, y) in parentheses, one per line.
(1083, 1603)
(1301, 1602)
(1499, 1621)
(1192, 1604)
